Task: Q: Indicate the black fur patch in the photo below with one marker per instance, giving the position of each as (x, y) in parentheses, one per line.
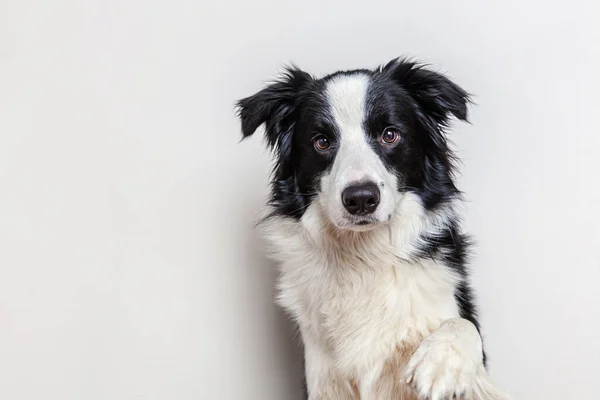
(452, 248)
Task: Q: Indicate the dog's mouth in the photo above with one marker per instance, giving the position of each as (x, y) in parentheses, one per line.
(360, 224)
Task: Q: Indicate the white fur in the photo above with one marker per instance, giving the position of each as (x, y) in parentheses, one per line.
(361, 297)
(447, 362)
(356, 298)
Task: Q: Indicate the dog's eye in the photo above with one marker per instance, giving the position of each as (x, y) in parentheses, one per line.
(321, 143)
(390, 136)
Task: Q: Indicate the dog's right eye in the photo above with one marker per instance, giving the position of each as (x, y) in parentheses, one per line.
(390, 136)
(321, 143)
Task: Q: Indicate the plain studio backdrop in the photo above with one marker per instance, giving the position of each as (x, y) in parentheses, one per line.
(129, 268)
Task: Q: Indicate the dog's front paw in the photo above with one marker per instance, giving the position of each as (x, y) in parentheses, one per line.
(446, 363)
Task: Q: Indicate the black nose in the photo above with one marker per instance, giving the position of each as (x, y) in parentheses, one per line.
(361, 199)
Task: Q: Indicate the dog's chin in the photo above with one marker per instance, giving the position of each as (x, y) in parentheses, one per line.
(358, 224)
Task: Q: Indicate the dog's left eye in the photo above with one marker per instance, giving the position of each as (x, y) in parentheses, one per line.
(321, 143)
(390, 136)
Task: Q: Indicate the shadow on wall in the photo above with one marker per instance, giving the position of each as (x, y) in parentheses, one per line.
(274, 337)
(282, 343)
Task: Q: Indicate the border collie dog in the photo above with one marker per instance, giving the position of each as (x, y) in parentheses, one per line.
(362, 223)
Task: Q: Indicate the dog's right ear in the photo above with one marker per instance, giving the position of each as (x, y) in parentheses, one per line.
(274, 106)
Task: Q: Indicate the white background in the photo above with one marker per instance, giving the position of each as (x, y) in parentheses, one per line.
(128, 265)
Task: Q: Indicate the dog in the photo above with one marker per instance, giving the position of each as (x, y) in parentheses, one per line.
(363, 223)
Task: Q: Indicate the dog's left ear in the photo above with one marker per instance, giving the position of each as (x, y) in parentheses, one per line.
(274, 106)
(438, 97)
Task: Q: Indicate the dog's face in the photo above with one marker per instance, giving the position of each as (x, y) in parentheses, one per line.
(355, 142)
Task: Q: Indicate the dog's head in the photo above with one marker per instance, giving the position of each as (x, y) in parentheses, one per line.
(355, 142)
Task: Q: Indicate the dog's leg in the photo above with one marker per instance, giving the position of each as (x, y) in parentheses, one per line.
(322, 382)
(449, 362)
(316, 369)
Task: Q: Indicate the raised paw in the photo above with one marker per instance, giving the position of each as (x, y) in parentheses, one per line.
(446, 363)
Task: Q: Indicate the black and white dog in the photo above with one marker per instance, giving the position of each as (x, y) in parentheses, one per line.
(363, 224)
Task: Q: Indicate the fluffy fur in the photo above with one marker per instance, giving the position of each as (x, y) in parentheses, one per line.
(381, 296)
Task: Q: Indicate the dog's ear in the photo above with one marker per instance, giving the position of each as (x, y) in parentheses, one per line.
(274, 106)
(437, 99)
(437, 96)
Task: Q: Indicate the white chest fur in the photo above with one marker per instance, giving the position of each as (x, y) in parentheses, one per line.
(360, 314)
(356, 301)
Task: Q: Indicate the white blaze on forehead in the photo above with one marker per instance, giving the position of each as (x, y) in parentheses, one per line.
(355, 159)
(347, 97)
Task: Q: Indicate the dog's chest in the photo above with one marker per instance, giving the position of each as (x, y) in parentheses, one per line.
(361, 313)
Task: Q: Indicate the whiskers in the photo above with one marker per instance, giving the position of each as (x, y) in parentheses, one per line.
(301, 208)
(408, 189)
(297, 193)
